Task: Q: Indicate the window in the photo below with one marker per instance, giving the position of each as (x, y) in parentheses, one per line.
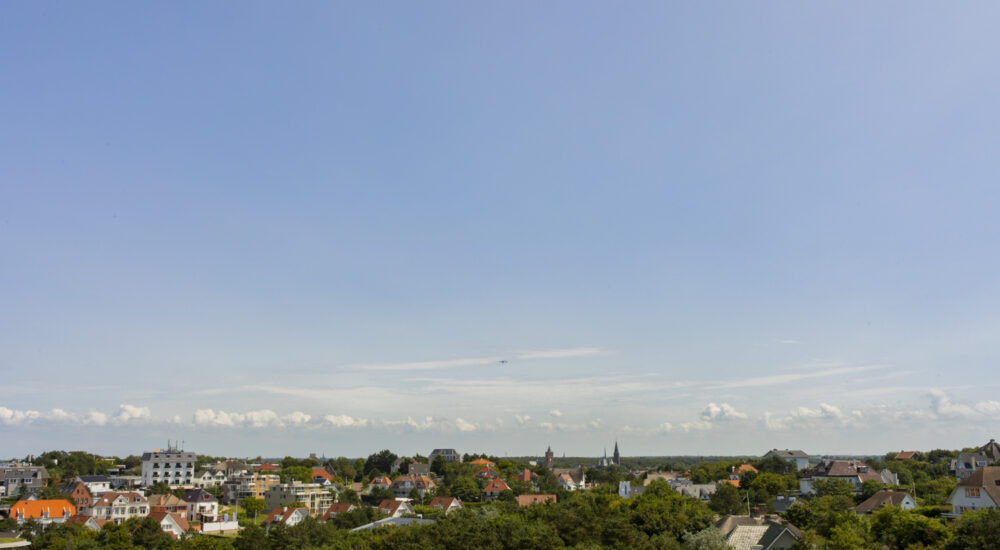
(972, 492)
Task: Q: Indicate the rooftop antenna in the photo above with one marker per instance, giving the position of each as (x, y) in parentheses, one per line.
(182, 444)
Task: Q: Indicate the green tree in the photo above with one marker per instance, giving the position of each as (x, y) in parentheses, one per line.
(466, 489)
(148, 534)
(251, 537)
(380, 462)
(977, 530)
(833, 486)
(726, 500)
(252, 506)
(296, 473)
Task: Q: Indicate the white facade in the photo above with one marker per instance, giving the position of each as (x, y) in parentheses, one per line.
(964, 499)
(172, 467)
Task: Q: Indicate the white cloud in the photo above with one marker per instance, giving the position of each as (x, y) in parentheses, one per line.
(560, 353)
(556, 413)
(722, 412)
(131, 414)
(345, 421)
(464, 426)
(943, 407)
(522, 420)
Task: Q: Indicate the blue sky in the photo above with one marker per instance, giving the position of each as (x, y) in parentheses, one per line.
(696, 228)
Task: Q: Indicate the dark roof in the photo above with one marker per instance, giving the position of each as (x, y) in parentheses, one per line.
(885, 497)
(845, 468)
(787, 453)
(199, 495)
(991, 449)
(94, 479)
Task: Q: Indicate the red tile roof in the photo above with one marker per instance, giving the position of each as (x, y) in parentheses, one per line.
(282, 513)
(482, 461)
(906, 455)
(496, 486)
(443, 503)
(338, 508)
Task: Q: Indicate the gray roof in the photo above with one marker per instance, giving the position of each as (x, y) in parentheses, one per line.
(94, 479)
(18, 472)
(787, 453)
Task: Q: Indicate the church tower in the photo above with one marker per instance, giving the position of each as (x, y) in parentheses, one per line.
(549, 458)
(617, 458)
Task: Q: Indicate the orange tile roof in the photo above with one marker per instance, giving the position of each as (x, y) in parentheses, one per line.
(481, 461)
(497, 485)
(744, 468)
(37, 509)
(733, 482)
(319, 472)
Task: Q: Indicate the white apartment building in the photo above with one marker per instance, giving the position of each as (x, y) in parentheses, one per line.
(172, 466)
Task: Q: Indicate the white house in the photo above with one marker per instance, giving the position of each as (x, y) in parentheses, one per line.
(118, 507)
(886, 497)
(797, 457)
(97, 485)
(980, 490)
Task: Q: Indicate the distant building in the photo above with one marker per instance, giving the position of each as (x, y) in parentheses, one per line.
(854, 471)
(446, 504)
(451, 455)
(886, 497)
(338, 508)
(396, 508)
(118, 507)
(248, 485)
(796, 457)
(16, 476)
(967, 463)
(81, 496)
(627, 490)
(286, 515)
(172, 466)
(201, 505)
(316, 498)
(906, 455)
(550, 458)
(97, 485)
(493, 490)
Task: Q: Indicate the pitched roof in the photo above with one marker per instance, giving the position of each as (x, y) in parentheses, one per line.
(107, 499)
(528, 500)
(884, 497)
(525, 475)
(38, 509)
(788, 453)
(744, 468)
(166, 500)
(389, 506)
(497, 485)
(281, 514)
(482, 461)
(444, 502)
(380, 480)
(320, 472)
(745, 532)
(268, 467)
(199, 495)
(906, 455)
(181, 521)
(338, 508)
(991, 449)
(988, 479)
(845, 468)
